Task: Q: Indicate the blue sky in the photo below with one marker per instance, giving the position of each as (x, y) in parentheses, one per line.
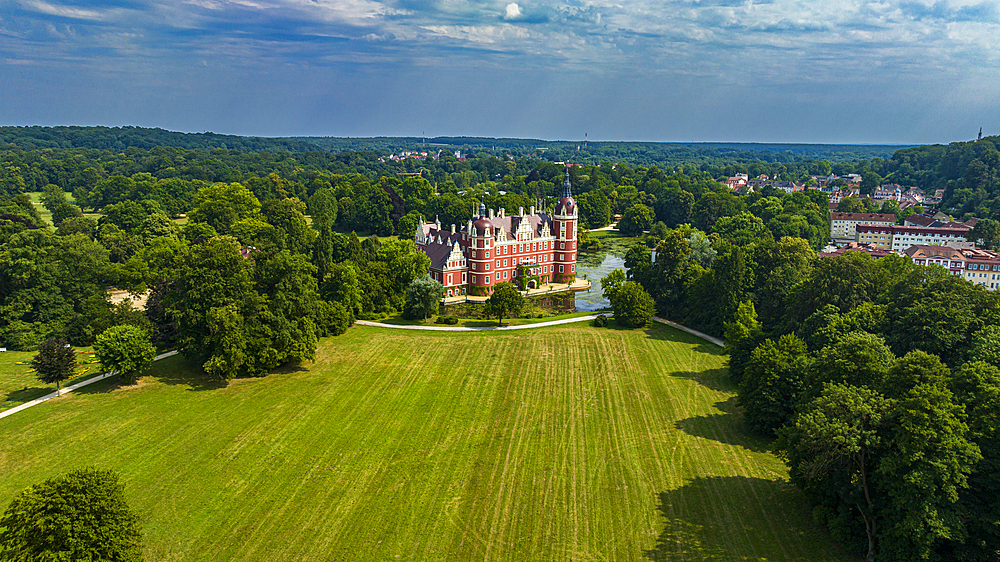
(839, 71)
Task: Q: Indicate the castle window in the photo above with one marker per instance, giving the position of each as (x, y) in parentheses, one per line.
(487, 280)
(534, 247)
(572, 268)
(505, 248)
(505, 263)
(473, 278)
(487, 267)
(498, 263)
(560, 269)
(562, 245)
(504, 274)
(473, 253)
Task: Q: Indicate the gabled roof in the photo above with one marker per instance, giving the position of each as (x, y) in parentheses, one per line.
(931, 252)
(921, 220)
(510, 224)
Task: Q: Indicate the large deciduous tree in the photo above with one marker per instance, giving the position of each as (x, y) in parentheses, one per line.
(82, 515)
(423, 296)
(505, 301)
(921, 479)
(830, 447)
(125, 350)
(636, 219)
(54, 362)
(221, 205)
(771, 383)
(632, 305)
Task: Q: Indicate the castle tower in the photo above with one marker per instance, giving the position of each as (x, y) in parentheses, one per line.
(564, 228)
(481, 275)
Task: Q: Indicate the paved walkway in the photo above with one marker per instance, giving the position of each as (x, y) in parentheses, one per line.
(70, 388)
(691, 331)
(483, 328)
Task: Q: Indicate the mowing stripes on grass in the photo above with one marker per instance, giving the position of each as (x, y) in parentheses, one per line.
(565, 443)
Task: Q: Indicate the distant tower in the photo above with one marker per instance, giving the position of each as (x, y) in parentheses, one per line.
(980, 134)
(585, 141)
(564, 226)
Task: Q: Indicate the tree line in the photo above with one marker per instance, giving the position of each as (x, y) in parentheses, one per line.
(245, 286)
(880, 378)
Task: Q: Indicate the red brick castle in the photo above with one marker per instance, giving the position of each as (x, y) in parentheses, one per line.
(529, 249)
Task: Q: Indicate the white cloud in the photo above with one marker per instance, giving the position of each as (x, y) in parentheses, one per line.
(512, 11)
(65, 11)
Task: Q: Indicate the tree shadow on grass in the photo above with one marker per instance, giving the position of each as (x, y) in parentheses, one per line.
(22, 395)
(716, 379)
(185, 371)
(738, 518)
(289, 368)
(664, 332)
(726, 427)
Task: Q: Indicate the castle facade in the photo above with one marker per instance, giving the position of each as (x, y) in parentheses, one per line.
(530, 249)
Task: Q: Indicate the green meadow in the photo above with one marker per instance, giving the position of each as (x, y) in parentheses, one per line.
(561, 443)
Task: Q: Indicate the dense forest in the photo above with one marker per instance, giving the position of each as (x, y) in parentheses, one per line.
(633, 153)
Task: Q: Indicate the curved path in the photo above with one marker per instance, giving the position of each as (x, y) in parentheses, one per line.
(483, 328)
(70, 388)
(691, 331)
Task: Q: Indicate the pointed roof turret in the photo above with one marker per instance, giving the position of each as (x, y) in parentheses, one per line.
(566, 205)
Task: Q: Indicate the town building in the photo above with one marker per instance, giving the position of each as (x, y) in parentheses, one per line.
(899, 238)
(947, 257)
(530, 249)
(980, 267)
(843, 226)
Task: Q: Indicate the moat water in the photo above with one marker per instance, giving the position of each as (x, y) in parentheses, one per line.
(591, 265)
(595, 264)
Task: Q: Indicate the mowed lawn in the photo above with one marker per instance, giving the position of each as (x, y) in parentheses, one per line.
(19, 383)
(561, 443)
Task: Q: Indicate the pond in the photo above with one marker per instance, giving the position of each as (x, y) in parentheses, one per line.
(595, 264)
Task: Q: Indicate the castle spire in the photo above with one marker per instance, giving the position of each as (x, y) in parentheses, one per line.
(482, 208)
(567, 188)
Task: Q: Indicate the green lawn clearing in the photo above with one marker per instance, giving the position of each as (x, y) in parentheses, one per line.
(562, 443)
(20, 384)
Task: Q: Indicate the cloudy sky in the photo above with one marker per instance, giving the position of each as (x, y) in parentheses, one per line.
(840, 71)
